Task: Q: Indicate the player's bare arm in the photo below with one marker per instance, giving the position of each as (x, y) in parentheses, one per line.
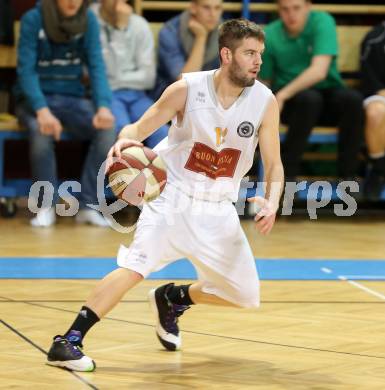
(274, 178)
(162, 111)
(169, 105)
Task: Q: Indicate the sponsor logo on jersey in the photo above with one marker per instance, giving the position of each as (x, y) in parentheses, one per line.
(245, 129)
(209, 162)
(220, 135)
(201, 97)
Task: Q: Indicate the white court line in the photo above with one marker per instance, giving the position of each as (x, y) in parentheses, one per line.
(379, 277)
(368, 290)
(355, 284)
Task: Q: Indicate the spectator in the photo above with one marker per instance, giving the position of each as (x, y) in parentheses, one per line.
(57, 39)
(188, 43)
(300, 65)
(373, 83)
(128, 48)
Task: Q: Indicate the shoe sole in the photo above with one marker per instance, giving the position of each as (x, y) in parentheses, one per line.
(160, 332)
(71, 365)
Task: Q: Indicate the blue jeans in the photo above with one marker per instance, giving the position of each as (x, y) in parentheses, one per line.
(128, 106)
(75, 114)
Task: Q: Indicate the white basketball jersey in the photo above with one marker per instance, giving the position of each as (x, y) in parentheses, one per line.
(213, 148)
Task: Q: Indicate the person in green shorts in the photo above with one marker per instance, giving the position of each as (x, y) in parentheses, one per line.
(300, 65)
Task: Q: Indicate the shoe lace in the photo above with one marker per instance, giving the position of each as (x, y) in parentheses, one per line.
(75, 349)
(174, 311)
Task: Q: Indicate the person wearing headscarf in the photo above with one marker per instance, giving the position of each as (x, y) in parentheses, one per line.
(59, 41)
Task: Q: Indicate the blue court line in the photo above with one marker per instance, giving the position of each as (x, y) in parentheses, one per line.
(95, 268)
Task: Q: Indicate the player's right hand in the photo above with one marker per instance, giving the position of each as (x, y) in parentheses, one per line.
(48, 123)
(116, 150)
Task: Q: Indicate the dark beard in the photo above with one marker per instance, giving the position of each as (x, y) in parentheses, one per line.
(237, 79)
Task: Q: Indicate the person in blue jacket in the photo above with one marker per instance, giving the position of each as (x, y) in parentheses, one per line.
(59, 40)
(188, 43)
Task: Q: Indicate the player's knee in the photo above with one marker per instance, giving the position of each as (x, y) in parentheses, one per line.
(129, 275)
(134, 275)
(248, 298)
(375, 114)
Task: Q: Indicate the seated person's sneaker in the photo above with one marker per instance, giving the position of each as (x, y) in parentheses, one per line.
(91, 217)
(374, 184)
(67, 355)
(44, 218)
(166, 314)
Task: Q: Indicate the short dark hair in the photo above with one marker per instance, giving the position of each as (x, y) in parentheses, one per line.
(233, 31)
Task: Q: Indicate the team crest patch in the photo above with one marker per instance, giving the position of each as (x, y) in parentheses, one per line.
(245, 129)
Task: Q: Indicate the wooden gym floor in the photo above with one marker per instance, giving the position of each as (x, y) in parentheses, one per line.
(309, 334)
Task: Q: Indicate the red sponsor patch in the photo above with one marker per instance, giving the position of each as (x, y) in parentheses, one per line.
(211, 163)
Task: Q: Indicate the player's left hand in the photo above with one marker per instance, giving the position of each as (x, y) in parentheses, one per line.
(103, 119)
(115, 151)
(265, 217)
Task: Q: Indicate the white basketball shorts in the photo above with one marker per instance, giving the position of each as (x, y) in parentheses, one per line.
(209, 234)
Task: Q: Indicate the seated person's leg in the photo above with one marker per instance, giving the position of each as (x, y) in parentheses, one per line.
(156, 137)
(78, 120)
(137, 108)
(43, 163)
(119, 110)
(301, 113)
(344, 108)
(375, 141)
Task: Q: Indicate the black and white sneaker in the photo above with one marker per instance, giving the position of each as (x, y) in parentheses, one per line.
(166, 314)
(64, 354)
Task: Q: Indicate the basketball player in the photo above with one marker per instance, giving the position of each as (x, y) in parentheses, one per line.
(218, 117)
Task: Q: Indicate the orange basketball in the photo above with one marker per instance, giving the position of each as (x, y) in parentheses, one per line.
(138, 176)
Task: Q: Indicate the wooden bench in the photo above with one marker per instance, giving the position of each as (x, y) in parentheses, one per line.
(346, 9)
(8, 54)
(9, 129)
(11, 188)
